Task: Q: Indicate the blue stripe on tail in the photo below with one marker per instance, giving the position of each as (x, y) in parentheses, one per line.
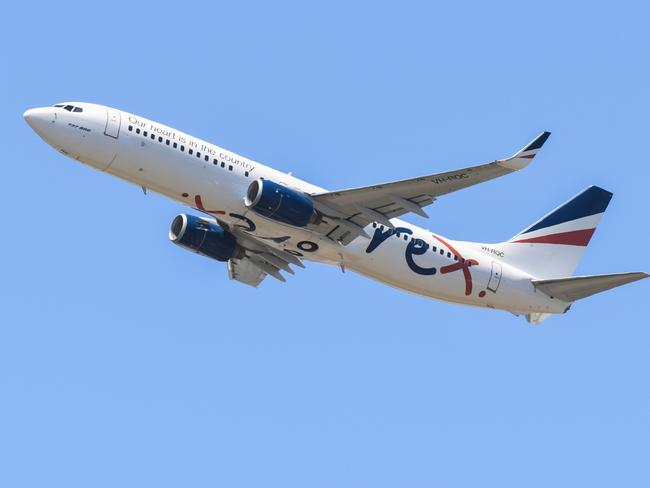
(593, 200)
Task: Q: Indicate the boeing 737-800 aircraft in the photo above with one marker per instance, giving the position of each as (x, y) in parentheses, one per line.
(260, 221)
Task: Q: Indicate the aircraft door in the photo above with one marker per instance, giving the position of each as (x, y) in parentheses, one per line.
(113, 121)
(495, 277)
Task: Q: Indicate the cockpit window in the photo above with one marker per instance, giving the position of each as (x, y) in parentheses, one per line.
(69, 108)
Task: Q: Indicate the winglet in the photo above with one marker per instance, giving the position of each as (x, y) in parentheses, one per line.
(521, 158)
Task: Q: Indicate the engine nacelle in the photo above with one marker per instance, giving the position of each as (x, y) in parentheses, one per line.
(203, 237)
(280, 203)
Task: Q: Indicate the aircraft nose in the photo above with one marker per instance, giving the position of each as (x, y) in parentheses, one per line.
(37, 118)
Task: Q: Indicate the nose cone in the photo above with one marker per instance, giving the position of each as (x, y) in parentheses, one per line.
(38, 118)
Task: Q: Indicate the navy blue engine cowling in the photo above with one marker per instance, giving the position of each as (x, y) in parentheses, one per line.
(202, 237)
(280, 203)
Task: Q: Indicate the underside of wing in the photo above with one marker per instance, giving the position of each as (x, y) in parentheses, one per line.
(257, 259)
(346, 212)
(244, 271)
(249, 259)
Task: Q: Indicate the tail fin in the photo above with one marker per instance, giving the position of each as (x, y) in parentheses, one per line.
(553, 246)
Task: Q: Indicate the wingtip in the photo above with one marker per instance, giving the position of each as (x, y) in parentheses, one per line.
(599, 189)
(521, 158)
(538, 142)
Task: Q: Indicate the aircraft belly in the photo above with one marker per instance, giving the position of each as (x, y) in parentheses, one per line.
(451, 281)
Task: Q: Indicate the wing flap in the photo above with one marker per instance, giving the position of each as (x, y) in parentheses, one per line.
(258, 260)
(245, 271)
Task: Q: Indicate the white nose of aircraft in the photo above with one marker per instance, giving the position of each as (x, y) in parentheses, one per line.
(39, 118)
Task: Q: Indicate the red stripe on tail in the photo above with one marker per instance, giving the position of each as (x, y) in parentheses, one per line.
(571, 238)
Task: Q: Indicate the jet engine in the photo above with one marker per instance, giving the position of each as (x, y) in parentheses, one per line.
(280, 203)
(203, 237)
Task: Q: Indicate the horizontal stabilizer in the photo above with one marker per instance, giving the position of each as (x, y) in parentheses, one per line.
(577, 287)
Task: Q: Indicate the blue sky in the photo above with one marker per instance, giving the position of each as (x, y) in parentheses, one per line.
(126, 361)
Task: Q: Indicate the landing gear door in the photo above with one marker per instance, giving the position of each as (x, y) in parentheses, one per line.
(113, 121)
(495, 277)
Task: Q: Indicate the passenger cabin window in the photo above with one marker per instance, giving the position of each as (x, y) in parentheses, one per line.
(198, 154)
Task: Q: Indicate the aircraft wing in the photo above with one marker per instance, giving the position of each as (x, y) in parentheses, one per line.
(348, 211)
(259, 259)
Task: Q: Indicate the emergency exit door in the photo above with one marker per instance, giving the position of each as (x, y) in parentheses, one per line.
(495, 277)
(113, 121)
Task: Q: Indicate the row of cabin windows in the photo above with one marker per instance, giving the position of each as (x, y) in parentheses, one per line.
(422, 243)
(175, 145)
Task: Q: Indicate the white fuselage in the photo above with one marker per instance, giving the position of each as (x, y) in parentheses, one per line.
(214, 180)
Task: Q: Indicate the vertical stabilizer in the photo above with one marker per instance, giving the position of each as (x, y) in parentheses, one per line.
(553, 246)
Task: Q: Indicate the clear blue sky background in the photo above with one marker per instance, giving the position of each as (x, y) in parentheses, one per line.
(126, 361)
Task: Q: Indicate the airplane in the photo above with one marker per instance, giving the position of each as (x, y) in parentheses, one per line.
(260, 221)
